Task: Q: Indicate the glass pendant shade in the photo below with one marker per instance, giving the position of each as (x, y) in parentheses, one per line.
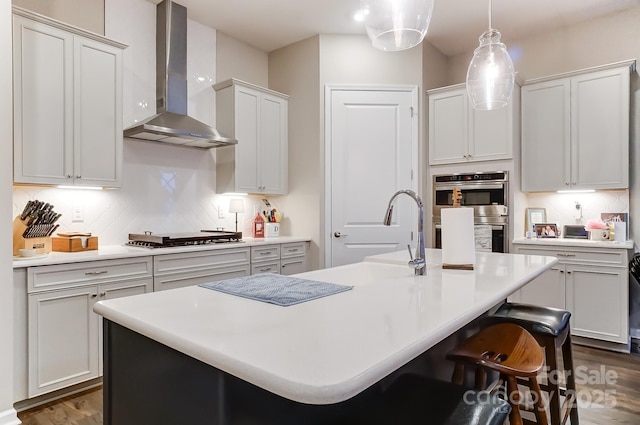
(490, 76)
(394, 25)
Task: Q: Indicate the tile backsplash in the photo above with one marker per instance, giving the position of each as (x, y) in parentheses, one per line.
(166, 189)
(561, 207)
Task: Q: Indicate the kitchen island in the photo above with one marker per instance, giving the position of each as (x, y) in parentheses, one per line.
(193, 355)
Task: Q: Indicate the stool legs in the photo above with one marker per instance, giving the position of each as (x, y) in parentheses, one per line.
(567, 359)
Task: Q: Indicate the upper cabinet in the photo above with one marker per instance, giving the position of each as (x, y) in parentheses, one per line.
(458, 133)
(258, 119)
(575, 130)
(67, 87)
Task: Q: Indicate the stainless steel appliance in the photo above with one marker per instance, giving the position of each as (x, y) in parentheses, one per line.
(488, 194)
(164, 240)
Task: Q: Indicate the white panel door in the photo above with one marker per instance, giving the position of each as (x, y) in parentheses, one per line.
(273, 153)
(247, 131)
(372, 136)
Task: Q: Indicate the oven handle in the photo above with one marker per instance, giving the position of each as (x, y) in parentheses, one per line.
(493, 226)
(470, 186)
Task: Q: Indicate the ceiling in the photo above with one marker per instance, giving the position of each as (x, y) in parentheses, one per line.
(454, 29)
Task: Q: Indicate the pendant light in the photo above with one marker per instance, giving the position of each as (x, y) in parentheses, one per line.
(394, 25)
(490, 76)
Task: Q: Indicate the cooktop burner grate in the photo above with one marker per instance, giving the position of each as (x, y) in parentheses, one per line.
(165, 240)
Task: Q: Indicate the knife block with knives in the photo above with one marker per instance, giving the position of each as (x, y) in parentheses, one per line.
(42, 244)
(32, 229)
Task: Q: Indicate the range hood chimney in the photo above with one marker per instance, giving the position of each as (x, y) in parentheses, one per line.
(171, 124)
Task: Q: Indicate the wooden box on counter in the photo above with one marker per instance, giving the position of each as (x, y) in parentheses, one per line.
(42, 245)
(74, 243)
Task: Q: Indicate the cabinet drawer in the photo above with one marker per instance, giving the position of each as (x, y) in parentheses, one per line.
(199, 260)
(588, 256)
(77, 274)
(179, 280)
(265, 253)
(295, 249)
(266, 267)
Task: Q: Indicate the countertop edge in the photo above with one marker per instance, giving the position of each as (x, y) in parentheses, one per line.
(582, 243)
(112, 252)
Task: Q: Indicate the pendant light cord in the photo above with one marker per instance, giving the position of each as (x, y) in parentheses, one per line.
(490, 13)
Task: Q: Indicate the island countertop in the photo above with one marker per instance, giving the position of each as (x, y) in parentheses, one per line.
(329, 349)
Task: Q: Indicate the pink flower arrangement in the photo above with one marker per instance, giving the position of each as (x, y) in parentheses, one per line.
(595, 224)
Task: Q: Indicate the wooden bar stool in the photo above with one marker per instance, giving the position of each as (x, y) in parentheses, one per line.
(513, 353)
(550, 327)
(416, 400)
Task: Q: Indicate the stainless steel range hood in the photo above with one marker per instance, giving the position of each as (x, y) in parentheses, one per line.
(171, 124)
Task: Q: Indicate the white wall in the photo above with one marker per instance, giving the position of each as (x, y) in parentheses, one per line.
(242, 61)
(7, 414)
(87, 14)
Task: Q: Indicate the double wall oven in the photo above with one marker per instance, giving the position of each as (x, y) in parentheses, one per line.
(488, 194)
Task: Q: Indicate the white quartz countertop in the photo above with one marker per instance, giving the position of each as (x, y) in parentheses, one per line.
(574, 242)
(108, 252)
(329, 349)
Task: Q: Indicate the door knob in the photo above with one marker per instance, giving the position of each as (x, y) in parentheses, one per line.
(338, 234)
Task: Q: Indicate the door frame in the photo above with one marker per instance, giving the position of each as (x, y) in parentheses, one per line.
(329, 89)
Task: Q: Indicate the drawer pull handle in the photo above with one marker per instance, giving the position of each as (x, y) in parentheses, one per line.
(265, 270)
(293, 250)
(96, 273)
(566, 255)
(266, 253)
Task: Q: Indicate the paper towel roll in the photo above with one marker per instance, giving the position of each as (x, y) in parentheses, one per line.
(458, 242)
(620, 230)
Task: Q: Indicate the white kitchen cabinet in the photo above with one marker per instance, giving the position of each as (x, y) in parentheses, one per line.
(67, 104)
(258, 119)
(265, 259)
(64, 334)
(458, 133)
(575, 130)
(293, 258)
(193, 268)
(591, 283)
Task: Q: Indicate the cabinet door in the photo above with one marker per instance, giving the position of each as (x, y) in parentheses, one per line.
(546, 290)
(293, 265)
(247, 131)
(448, 134)
(546, 136)
(600, 130)
(43, 103)
(63, 339)
(272, 164)
(111, 291)
(598, 300)
(98, 114)
(491, 133)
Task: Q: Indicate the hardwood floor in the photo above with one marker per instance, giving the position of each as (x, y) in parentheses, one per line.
(608, 392)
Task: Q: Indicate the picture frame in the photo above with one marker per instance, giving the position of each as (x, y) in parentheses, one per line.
(546, 230)
(534, 216)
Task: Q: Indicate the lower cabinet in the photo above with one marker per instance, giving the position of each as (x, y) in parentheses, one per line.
(64, 334)
(193, 268)
(591, 283)
(58, 337)
(293, 258)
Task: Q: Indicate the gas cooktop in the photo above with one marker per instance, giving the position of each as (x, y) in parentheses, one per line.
(164, 240)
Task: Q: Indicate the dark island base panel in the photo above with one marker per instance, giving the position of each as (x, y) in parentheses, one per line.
(146, 382)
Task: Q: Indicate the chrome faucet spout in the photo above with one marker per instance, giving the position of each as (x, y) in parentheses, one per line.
(418, 263)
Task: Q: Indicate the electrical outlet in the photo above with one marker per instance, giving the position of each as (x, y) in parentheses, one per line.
(77, 215)
(578, 213)
(220, 212)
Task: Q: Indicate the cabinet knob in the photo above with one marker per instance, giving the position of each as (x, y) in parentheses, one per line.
(78, 177)
(566, 183)
(102, 294)
(68, 176)
(94, 295)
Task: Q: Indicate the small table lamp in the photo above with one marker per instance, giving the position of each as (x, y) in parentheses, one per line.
(236, 206)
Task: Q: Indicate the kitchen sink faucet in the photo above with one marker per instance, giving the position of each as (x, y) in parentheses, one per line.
(418, 263)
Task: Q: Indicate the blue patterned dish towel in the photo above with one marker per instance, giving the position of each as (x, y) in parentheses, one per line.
(276, 289)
